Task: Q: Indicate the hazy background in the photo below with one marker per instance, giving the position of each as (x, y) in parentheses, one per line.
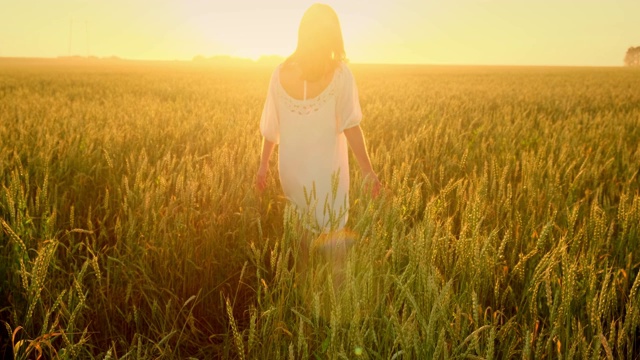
(517, 32)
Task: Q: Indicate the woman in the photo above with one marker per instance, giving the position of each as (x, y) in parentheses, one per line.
(312, 111)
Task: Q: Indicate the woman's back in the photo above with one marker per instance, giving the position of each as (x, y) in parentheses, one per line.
(313, 147)
(292, 82)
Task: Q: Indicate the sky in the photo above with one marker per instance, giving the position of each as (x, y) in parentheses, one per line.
(473, 32)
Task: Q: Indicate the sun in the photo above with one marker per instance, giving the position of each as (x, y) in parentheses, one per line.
(248, 33)
(251, 30)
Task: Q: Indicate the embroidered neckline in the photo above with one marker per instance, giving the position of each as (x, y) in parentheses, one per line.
(308, 106)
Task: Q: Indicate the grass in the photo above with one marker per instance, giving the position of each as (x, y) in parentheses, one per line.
(130, 227)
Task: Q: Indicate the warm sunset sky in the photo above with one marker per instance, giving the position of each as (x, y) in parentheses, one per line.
(519, 32)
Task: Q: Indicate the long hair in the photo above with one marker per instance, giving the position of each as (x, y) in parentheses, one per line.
(320, 46)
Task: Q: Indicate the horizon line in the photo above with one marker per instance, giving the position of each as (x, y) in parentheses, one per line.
(224, 59)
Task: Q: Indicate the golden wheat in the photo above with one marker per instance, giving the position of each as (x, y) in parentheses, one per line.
(130, 228)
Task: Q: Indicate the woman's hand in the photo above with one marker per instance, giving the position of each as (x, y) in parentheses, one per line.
(373, 184)
(261, 178)
(355, 138)
(263, 170)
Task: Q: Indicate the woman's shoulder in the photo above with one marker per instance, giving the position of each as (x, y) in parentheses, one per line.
(343, 66)
(343, 71)
(278, 72)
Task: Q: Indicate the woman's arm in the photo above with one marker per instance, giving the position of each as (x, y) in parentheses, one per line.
(263, 170)
(356, 141)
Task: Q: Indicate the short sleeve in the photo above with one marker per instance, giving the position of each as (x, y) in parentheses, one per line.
(269, 122)
(348, 104)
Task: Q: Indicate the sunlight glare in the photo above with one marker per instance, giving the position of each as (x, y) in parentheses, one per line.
(253, 31)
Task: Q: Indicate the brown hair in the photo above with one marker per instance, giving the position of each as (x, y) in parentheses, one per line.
(320, 48)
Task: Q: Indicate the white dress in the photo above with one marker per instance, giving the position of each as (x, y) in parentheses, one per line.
(312, 157)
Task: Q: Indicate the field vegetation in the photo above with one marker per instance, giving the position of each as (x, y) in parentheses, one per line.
(509, 228)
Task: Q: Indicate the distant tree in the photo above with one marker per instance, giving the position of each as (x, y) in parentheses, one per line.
(199, 58)
(632, 58)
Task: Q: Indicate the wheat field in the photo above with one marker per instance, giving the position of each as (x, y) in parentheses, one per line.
(509, 227)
